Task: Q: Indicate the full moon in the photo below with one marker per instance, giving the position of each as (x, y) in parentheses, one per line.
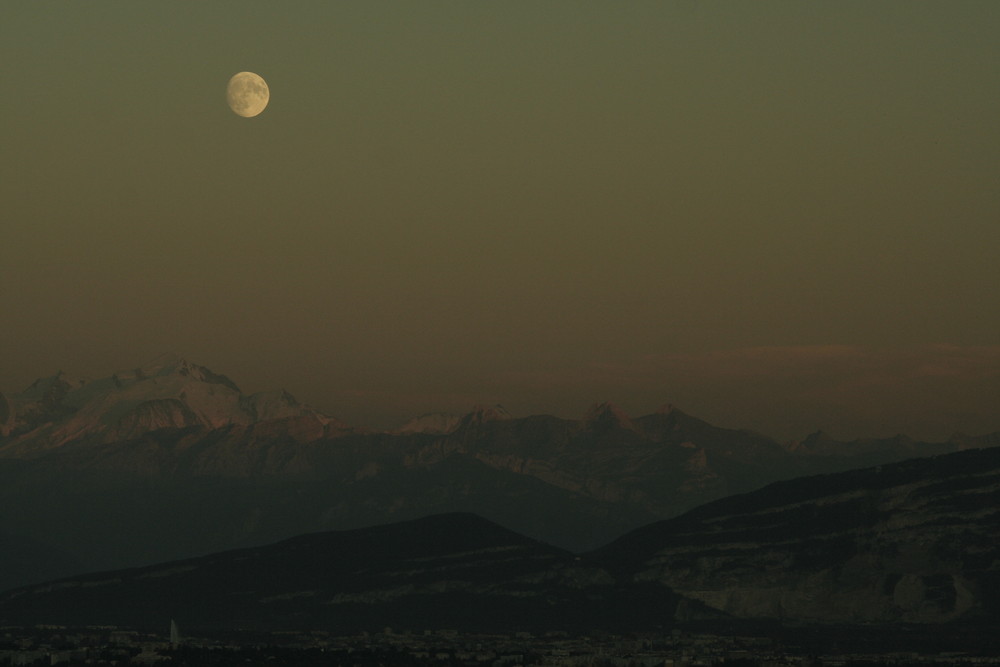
(247, 94)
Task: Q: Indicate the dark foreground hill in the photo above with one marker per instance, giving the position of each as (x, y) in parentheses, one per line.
(448, 571)
(911, 542)
(904, 544)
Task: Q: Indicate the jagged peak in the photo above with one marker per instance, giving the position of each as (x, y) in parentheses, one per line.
(52, 389)
(165, 364)
(167, 391)
(434, 423)
(170, 364)
(810, 442)
(608, 415)
(664, 413)
(280, 404)
(481, 414)
(59, 377)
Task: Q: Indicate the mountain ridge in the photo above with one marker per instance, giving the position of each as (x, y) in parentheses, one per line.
(911, 542)
(87, 468)
(60, 394)
(453, 570)
(168, 392)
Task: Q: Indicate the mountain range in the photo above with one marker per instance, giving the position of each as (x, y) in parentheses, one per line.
(906, 543)
(172, 460)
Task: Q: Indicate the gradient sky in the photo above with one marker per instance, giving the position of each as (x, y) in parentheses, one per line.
(775, 215)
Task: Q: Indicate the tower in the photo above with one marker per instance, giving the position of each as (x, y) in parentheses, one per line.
(175, 634)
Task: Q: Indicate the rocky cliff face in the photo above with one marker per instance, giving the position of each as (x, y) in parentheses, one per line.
(907, 542)
(153, 415)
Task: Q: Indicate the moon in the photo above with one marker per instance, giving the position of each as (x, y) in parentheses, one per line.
(247, 94)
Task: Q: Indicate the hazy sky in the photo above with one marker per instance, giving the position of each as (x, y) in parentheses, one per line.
(775, 215)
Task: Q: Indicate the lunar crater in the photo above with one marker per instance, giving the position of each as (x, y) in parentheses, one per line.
(247, 94)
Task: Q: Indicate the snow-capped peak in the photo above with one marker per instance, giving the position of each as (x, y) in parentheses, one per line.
(167, 365)
(166, 392)
(481, 414)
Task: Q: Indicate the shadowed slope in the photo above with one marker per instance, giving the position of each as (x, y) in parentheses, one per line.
(913, 541)
(445, 571)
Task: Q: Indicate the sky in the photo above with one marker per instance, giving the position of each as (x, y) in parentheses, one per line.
(781, 216)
